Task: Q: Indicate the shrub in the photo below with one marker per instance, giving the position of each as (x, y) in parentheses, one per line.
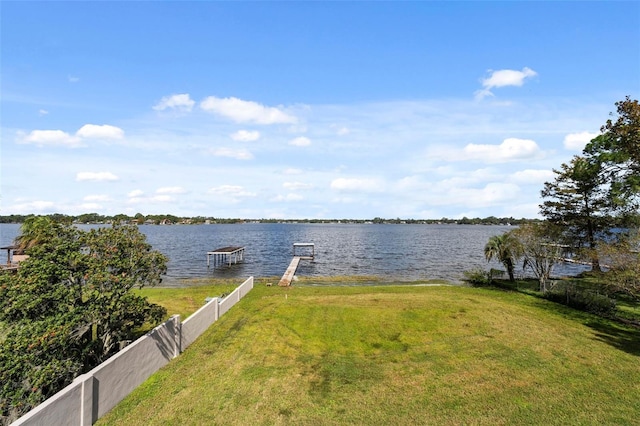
(477, 277)
(587, 301)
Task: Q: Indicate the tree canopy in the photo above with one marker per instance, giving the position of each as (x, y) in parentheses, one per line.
(599, 190)
(69, 305)
(617, 149)
(577, 200)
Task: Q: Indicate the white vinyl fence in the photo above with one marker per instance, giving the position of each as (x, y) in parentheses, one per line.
(93, 394)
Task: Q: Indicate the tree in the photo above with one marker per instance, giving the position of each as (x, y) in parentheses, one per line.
(618, 150)
(119, 259)
(505, 249)
(578, 201)
(34, 231)
(540, 250)
(68, 306)
(623, 260)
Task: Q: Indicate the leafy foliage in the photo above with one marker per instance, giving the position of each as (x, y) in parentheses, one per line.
(69, 305)
(477, 277)
(506, 249)
(578, 201)
(587, 301)
(623, 259)
(539, 249)
(618, 150)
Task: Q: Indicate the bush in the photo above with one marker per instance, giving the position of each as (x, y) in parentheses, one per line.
(477, 277)
(584, 300)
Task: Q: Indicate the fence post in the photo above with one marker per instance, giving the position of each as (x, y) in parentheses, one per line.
(177, 335)
(89, 395)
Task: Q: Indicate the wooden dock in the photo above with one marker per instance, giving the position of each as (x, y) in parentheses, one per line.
(225, 256)
(286, 279)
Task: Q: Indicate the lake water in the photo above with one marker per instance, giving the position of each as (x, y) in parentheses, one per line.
(394, 252)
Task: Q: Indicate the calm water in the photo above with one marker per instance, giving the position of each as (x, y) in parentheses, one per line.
(395, 252)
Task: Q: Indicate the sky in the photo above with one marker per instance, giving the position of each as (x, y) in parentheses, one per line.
(304, 110)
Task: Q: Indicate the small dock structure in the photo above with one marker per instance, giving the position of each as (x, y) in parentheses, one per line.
(286, 279)
(308, 256)
(225, 256)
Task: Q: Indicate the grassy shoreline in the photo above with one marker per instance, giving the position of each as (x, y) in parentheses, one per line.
(395, 354)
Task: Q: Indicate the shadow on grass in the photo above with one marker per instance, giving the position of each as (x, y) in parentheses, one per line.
(626, 339)
(623, 337)
(620, 336)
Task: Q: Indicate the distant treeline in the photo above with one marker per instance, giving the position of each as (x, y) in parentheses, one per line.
(167, 219)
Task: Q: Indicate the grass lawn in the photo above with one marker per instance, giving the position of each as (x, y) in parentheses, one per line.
(393, 355)
(186, 300)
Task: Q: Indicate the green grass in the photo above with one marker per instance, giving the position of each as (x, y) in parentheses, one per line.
(186, 300)
(395, 355)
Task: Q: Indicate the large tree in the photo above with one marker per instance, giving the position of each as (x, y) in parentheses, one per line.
(577, 200)
(68, 306)
(623, 260)
(617, 149)
(539, 249)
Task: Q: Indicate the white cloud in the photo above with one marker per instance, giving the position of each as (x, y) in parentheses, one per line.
(511, 149)
(502, 78)
(137, 197)
(291, 197)
(491, 194)
(90, 207)
(161, 198)
(297, 186)
(96, 177)
(50, 138)
(30, 207)
(96, 131)
(60, 138)
(102, 198)
(171, 190)
(292, 171)
(73, 79)
(231, 193)
(238, 154)
(577, 141)
(246, 136)
(357, 184)
(245, 111)
(530, 176)
(43, 112)
(181, 102)
(300, 141)
(496, 192)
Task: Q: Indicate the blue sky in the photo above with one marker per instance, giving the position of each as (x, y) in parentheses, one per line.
(304, 109)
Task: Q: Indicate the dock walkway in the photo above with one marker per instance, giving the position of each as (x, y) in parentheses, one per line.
(286, 279)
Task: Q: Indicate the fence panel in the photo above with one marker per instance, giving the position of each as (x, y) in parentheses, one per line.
(63, 408)
(93, 394)
(198, 322)
(122, 373)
